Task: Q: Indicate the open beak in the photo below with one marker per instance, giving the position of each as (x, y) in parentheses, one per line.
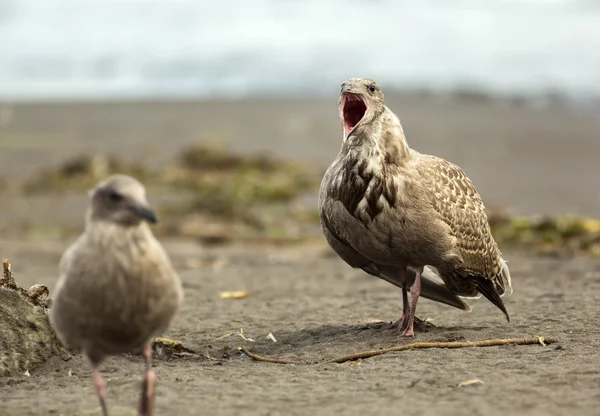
(354, 109)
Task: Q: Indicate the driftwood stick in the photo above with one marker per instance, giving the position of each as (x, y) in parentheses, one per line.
(415, 345)
(464, 344)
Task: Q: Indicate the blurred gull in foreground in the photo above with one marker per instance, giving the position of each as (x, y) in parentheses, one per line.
(391, 211)
(117, 289)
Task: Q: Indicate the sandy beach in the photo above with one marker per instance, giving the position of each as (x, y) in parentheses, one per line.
(529, 161)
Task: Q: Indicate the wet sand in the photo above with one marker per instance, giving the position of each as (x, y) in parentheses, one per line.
(316, 307)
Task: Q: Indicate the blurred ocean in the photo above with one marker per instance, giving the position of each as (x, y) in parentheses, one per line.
(106, 49)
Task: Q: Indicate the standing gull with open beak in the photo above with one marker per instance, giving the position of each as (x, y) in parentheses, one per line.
(117, 289)
(403, 216)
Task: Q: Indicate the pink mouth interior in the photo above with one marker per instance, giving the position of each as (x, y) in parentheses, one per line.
(354, 108)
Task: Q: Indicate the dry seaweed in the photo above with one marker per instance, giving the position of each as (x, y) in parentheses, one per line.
(81, 172)
(205, 192)
(212, 194)
(565, 235)
(210, 157)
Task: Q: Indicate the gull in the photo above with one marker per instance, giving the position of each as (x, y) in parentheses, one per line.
(117, 289)
(409, 218)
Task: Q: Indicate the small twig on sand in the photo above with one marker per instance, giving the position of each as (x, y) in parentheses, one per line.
(8, 278)
(415, 345)
(271, 360)
(64, 354)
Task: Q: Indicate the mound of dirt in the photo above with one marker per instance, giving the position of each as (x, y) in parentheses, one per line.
(26, 337)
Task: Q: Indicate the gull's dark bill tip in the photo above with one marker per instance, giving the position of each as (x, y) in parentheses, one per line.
(146, 214)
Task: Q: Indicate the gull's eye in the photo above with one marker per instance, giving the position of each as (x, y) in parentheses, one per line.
(115, 196)
(372, 88)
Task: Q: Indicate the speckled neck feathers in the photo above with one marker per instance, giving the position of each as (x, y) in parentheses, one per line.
(365, 171)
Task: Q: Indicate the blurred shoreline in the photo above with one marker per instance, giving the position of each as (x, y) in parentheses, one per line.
(548, 99)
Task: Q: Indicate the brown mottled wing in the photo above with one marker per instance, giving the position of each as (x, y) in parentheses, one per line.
(459, 205)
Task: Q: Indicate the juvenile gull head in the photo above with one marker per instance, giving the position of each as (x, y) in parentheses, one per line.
(122, 200)
(117, 289)
(361, 101)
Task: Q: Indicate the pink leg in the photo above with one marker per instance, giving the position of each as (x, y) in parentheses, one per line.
(415, 291)
(403, 321)
(100, 386)
(148, 396)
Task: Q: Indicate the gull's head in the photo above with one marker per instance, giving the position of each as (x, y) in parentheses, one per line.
(361, 101)
(121, 199)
